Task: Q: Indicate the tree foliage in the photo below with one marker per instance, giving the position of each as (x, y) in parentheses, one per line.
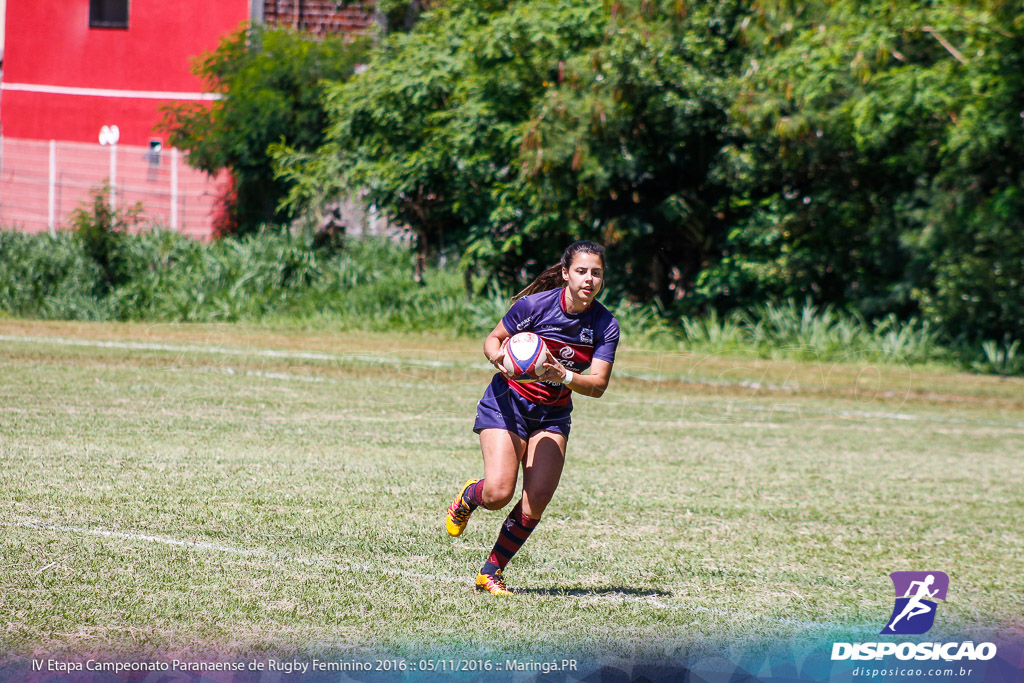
(509, 128)
(859, 153)
(270, 81)
(881, 156)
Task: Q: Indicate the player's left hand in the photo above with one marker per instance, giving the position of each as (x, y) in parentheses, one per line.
(553, 372)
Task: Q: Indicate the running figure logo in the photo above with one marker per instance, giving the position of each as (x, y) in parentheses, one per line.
(914, 611)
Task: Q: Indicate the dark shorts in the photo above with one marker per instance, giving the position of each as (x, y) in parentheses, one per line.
(502, 408)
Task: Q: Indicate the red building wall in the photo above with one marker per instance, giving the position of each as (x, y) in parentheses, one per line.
(50, 47)
(63, 81)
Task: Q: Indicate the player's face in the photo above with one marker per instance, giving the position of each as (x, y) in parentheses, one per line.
(585, 276)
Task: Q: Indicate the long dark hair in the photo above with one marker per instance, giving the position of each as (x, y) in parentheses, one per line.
(552, 277)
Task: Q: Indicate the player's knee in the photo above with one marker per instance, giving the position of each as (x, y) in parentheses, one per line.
(497, 495)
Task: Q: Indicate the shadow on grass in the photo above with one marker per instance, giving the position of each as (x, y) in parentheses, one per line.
(612, 591)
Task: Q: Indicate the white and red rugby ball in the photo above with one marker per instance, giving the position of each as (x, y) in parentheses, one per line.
(525, 355)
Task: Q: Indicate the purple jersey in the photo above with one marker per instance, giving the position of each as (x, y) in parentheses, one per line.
(573, 339)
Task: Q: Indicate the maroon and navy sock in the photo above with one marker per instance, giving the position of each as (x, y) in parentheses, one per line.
(473, 495)
(514, 532)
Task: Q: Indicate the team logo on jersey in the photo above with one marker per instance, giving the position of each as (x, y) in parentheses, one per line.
(914, 612)
(586, 336)
(566, 352)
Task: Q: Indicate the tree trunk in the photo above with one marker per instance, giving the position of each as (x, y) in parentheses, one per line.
(467, 280)
(421, 258)
(658, 282)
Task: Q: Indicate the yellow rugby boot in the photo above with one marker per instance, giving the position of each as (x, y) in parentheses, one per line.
(493, 584)
(459, 512)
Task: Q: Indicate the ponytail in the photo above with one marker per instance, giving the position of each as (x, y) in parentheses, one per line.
(551, 278)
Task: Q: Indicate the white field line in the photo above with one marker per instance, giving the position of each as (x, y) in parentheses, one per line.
(361, 358)
(228, 351)
(283, 558)
(727, 406)
(418, 362)
(277, 558)
(282, 376)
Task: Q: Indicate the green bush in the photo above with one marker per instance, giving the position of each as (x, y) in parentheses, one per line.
(273, 276)
(49, 277)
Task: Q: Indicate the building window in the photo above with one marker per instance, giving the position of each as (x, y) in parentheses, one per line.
(108, 13)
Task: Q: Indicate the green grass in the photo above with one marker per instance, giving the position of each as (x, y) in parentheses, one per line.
(201, 496)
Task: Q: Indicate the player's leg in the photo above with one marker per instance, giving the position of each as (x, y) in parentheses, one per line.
(542, 469)
(502, 442)
(502, 450)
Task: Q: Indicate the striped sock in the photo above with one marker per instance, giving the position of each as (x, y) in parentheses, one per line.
(514, 532)
(473, 495)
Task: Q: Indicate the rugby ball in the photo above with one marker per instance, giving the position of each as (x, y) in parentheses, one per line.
(525, 355)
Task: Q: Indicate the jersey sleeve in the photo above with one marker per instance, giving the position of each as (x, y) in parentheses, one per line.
(519, 317)
(607, 340)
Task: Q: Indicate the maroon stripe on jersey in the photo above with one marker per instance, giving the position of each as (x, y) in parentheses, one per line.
(578, 356)
(542, 393)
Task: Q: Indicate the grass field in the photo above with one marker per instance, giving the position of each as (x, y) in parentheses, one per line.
(225, 490)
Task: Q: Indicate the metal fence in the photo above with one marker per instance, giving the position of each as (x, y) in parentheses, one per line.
(43, 182)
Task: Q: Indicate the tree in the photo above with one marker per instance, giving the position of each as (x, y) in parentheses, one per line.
(511, 128)
(879, 152)
(270, 82)
(861, 153)
(626, 148)
(394, 15)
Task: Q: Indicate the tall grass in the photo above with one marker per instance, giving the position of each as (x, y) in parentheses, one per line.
(48, 277)
(276, 277)
(269, 275)
(809, 331)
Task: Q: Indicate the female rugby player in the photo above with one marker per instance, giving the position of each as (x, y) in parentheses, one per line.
(527, 424)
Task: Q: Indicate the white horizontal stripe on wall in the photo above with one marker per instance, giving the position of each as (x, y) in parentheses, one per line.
(106, 92)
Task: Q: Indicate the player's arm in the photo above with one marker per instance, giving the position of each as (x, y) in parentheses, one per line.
(592, 385)
(492, 346)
